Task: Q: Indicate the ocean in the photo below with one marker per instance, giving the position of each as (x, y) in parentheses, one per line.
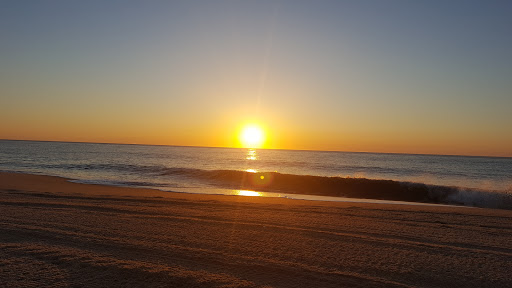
(316, 175)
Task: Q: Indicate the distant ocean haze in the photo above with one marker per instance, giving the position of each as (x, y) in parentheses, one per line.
(463, 180)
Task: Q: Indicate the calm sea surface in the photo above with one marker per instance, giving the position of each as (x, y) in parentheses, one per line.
(192, 169)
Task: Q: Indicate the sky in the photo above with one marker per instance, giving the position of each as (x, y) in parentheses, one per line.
(431, 77)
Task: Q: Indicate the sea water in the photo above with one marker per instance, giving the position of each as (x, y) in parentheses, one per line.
(224, 170)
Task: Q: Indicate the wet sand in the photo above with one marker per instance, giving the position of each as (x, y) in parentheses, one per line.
(54, 233)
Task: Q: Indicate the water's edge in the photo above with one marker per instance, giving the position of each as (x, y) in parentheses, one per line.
(358, 190)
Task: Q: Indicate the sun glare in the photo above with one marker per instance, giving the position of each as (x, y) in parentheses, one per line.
(247, 193)
(252, 136)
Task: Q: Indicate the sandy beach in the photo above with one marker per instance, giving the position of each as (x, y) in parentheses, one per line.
(54, 233)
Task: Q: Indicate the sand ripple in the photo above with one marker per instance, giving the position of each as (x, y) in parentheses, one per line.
(59, 240)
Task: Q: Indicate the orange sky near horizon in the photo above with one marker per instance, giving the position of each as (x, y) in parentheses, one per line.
(226, 134)
(316, 75)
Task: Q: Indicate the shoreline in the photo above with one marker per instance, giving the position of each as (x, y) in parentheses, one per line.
(58, 233)
(316, 188)
(58, 184)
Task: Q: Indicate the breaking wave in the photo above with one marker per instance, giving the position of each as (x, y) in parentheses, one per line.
(316, 185)
(350, 187)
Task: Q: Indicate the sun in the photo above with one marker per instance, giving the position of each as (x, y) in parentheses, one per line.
(252, 136)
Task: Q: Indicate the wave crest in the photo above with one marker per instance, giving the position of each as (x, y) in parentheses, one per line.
(350, 187)
(318, 185)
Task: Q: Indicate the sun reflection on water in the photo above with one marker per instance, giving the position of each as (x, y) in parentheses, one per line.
(247, 193)
(255, 178)
(251, 155)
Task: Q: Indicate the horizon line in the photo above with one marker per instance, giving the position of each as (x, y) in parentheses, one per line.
(223, 147)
